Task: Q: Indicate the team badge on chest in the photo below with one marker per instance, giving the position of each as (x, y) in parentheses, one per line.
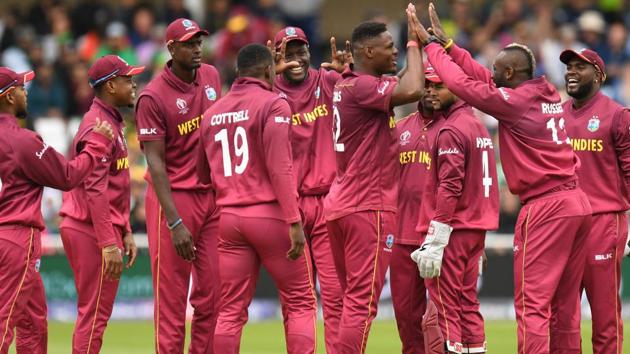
(211, 94)
(593, 124)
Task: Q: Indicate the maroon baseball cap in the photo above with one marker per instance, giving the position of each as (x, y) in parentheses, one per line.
(10, 79)
(291, 34)
(182, 30)
(588, 55)
(431, 75)
(110, 66)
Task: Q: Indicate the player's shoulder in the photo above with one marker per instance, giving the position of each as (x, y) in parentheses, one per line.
(407, 121)
(209, 72)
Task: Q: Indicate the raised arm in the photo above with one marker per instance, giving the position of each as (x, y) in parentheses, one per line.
(411, 83)
(45, 166)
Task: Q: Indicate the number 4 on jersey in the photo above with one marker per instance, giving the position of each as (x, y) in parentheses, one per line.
(486, 180)
(241, 150)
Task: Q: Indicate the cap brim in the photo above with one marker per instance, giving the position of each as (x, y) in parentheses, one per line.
(135, 70)
(433, 78)
(26, 77)
(188, 36)
(279, 43)
(569, 54)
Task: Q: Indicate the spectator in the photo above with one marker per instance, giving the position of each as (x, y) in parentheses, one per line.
(117, 43)
(46, 96)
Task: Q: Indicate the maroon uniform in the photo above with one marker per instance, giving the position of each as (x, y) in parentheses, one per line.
(26, 165)
(170, 109)
(361, 206)
(416, 134)
(539, 166)
(600, 135)
(461, 191)
(96, 215)
(314, 166)
(245, 144)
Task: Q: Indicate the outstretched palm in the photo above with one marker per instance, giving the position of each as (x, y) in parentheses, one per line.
(279, 57)
(339, 59)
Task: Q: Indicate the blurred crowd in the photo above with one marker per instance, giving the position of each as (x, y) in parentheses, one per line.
(60, 39)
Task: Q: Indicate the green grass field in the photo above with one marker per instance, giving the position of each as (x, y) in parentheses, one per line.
(268, 338)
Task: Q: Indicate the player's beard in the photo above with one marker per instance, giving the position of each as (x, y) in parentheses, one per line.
(582, 91)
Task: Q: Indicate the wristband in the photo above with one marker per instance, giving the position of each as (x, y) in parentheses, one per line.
(412, 44)
(175, 224)
(111, 250)
(449, 43)
(431, 39)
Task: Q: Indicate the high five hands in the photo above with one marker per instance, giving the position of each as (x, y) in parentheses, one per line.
(422, 34)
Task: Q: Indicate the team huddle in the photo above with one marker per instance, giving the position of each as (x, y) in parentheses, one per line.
(308, 173)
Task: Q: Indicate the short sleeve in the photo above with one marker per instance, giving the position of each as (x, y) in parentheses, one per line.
(374, 93)
(150, 124)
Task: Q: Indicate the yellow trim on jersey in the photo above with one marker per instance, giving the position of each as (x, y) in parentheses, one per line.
(98, 301)
(523, 274)
(17, 292)
(378, 244)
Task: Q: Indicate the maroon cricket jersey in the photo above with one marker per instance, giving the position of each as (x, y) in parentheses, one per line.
(170, 109)
(600, 135)
(311, 133)
(245, 142)
(27, 164)
(462, 187)
(416, 135)
(366, 146)
(536, 153)
(104, 196)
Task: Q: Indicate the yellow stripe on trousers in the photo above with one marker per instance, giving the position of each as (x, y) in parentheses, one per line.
(523, 274)
(312, 284)
(157, 283)
(17, 292)
(98, 302)
(378, 244)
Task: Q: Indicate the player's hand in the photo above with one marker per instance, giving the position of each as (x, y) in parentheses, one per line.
(104, 128)
(626, 251)
(131, 251)
(113, 262)
(429, 255)
(415, 29)
(339, 59)
(436, 28)
(296, 233)
(279, 57)
(183, 242)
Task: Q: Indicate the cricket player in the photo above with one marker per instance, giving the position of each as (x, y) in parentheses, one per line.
(539, 166)
(27, 164)
(360, 208)
(182, 222)
(309, 92)
(459, 204)
(95, 226)
(416, 133)
(599, 129)
(246, 150)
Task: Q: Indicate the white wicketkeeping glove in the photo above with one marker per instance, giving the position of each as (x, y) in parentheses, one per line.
(626, 251)
(429, 255)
